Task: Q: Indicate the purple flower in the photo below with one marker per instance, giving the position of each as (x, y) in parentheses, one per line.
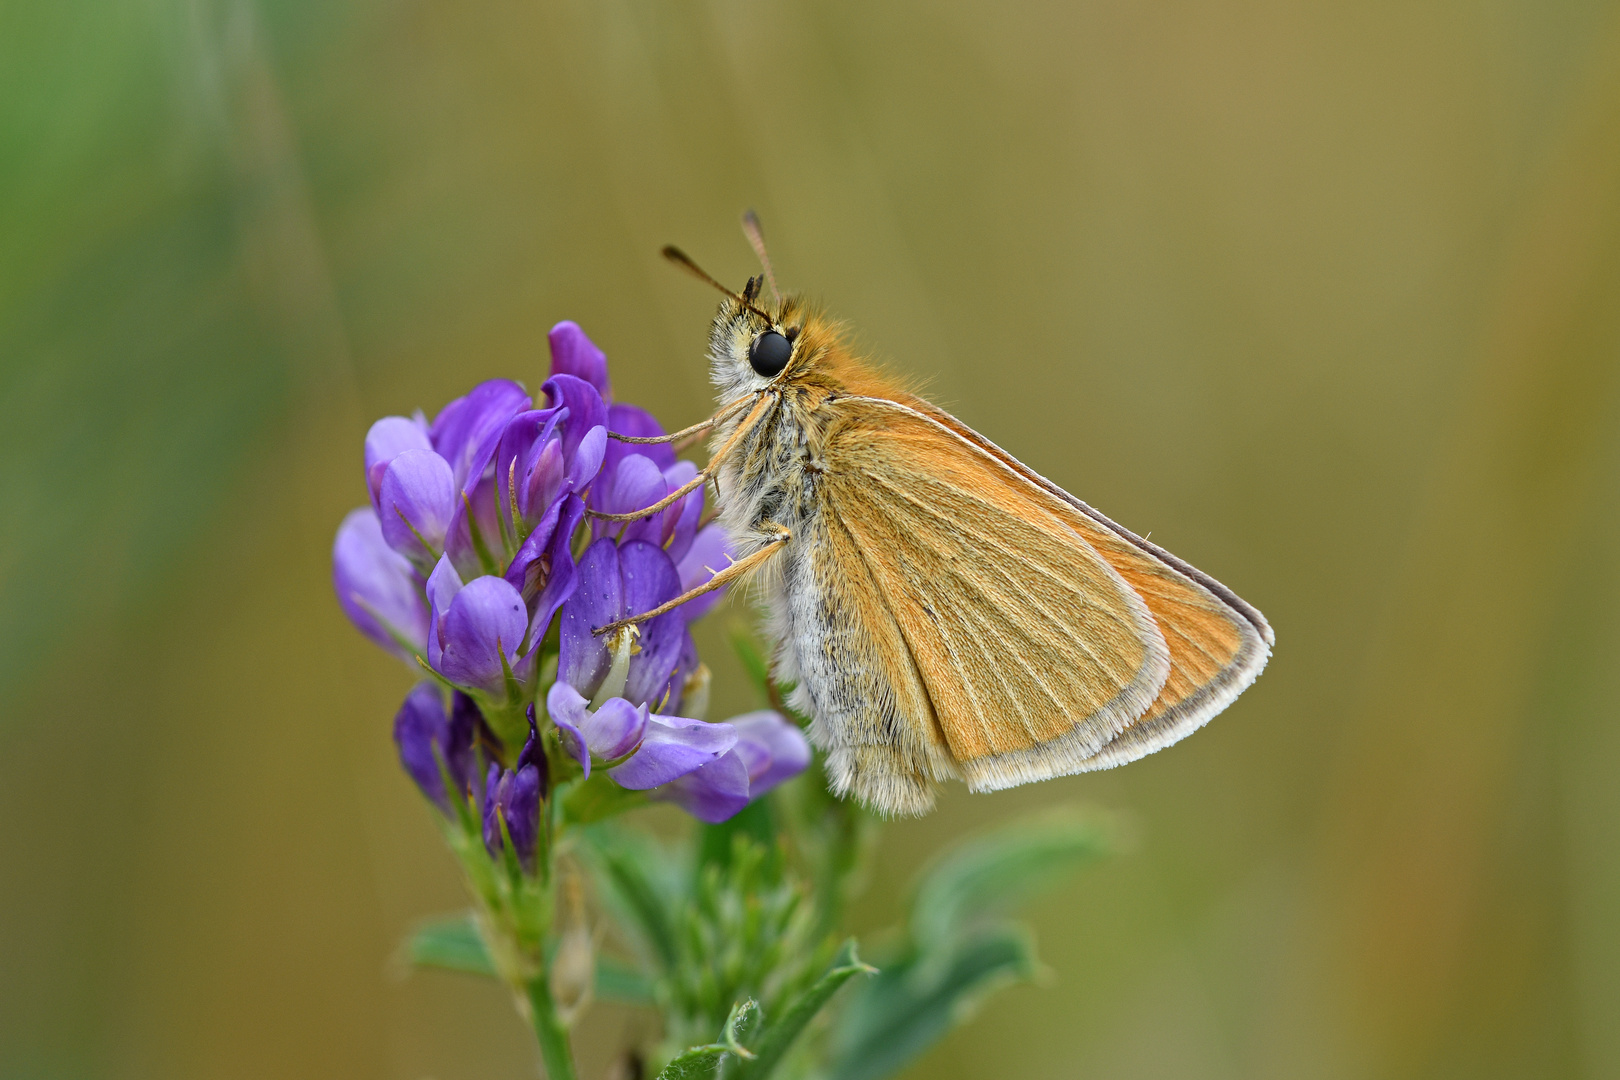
(544, 459)
(642, 749)
(477, 632)
(466, 430)
(543, 570)
(466, 433)
(428, 739)
(614, 582)
(635, 476)
(709, 551)
(377, 587)
(387, 439)
(769, 749)
(514, 796)
(572, 353)
(773, 748)
(416, 500)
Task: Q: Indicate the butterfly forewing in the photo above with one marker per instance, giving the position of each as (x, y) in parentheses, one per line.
(1021, 610)
(1024, 638)
(1218, 643)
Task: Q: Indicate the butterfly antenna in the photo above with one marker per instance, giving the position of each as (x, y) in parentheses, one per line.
(684, 261)
(756, 240)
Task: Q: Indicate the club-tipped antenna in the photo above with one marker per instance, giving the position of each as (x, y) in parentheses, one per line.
(756, 240)
(684, 261)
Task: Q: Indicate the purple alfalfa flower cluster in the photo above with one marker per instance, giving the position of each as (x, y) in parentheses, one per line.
(479, 562)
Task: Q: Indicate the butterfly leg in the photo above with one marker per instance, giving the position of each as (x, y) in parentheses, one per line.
(720, 579)
(682, 436)
(754, 416)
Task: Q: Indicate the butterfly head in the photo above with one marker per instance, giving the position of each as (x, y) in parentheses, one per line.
(754, 346)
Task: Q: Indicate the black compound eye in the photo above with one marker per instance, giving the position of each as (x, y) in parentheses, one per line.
(769, 353)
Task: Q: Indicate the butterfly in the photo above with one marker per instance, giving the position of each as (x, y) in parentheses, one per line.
(941, 610)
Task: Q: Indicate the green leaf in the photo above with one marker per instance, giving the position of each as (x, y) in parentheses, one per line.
(700, 1062)
(627, 862)
(896, 1016)
(452, 944)
(779, 1036)
(993, 874)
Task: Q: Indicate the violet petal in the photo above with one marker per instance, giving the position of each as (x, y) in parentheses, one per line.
(615, 729)
(566, 707)
(572, 353)
(597, 600)
(634, 484)
(671, 747)
(776, 750)
(387, 439)
(681, 519)
(712, 793)
(641, 424)
(650, 580)
(377, 588)
(466, 431)
(421, 731)
(516, 796)
(516, 453)
(458, 540)
(588, 457)
(710, 551)
(416, 502)
(585, 409)
(442, 586)
(486, 619)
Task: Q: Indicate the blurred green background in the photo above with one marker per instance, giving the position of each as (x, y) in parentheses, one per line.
(1325, 296)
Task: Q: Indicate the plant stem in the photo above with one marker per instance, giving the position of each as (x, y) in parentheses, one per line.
(549, 1031)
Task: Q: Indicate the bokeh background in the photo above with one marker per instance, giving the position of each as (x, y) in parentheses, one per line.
(1325, 296)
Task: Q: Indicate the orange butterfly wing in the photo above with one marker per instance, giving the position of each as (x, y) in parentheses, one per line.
(1218, 642)
(1046, 641)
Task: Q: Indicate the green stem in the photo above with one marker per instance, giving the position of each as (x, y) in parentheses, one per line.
(549, 1030)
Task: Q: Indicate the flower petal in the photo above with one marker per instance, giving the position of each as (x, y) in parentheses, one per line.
(712, 793)
(585, 409)
(442, 586)
(467, 430)
(710, 551)
(615, 729)
(641, 424)
(566, 707)
(773, 748)
(417, 500)
(421, 733)
(650, 580)
(486, 619)
(588, 457)
(572, 353)
(458, 540)
(680, 521)
(671, 747)
(517, 454)
(635, 483)
(387, 439)
(516, 797)
(597, 600)
(377, 588)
